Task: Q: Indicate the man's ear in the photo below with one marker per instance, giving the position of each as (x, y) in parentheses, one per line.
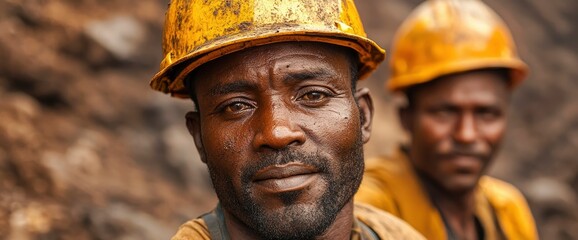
(194, 125)
(365, 105)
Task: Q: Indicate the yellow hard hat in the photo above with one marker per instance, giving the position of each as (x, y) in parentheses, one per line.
(198, 31)
(442, 37)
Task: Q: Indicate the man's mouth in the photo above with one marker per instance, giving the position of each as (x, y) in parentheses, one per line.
(466, 163)
(285, 178)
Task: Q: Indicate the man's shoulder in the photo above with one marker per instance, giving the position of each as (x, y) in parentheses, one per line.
(380, 185)
(510, 207)
(393, 165)
(500, 193)
(193, 229)
(385, 225)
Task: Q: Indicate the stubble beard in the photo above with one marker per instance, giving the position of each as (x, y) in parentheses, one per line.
(294, 220)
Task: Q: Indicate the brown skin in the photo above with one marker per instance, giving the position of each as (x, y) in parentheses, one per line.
(456, 125)
(281, 133)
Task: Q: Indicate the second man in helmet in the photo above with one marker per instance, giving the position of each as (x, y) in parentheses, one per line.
(456, 64)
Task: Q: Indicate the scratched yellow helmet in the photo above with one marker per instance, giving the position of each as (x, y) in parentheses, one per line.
(198, 31)
(442, 37)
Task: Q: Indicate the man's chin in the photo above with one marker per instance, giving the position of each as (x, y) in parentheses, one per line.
(295, 221)
(460, 184)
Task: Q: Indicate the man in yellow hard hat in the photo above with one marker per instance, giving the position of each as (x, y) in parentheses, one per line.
(456, 63)
(278, 119)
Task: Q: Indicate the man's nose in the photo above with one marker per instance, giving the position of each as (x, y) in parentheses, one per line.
(277, 128)
(466, 130)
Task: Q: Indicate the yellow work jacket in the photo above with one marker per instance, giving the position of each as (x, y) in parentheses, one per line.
(392, 185)
(369, 224)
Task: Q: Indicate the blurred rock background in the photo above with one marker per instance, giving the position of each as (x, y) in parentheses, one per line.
(88, 151)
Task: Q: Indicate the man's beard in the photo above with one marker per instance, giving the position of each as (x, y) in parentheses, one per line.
(294, 220)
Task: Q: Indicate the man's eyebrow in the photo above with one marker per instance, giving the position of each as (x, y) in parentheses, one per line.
(309, 74)
(236, 86)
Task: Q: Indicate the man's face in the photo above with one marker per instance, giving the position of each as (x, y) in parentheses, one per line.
(456, 125)
(282, 135)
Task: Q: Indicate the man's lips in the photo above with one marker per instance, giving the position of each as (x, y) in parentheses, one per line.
(465, 163)
(285, 178)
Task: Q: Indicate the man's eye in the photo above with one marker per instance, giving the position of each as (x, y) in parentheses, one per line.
(314, 96)
(236, 107)
(443, 112)
(489, 114)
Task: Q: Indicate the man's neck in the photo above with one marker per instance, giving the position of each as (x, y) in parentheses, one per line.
(340, 229)
(342, 226)
(458, 209)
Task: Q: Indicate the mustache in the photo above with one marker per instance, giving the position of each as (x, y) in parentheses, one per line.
(316, 160)
(465, 150)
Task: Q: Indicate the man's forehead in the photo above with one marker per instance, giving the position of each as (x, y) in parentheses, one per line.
(485, 86)
(287, 49)
(283, 57)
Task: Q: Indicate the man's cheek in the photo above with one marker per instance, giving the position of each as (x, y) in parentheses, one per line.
(442, 147)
